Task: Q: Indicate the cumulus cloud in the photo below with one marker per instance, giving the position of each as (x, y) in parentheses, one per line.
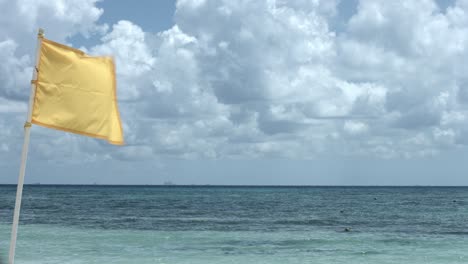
(19, 24)
(269, 78)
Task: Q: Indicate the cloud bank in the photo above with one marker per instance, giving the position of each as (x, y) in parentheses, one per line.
(254, 79)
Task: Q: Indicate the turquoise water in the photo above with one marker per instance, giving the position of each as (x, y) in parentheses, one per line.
(99, 224)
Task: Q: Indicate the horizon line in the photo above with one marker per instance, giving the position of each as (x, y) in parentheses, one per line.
(223, 185)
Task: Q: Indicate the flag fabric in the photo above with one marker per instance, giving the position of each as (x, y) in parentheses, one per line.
(76, 93)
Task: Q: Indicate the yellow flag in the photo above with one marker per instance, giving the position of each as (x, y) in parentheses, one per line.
(76, 93)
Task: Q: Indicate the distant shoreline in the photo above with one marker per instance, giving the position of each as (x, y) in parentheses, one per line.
(234, 186)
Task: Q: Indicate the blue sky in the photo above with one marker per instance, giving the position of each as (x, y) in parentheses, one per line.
(151, 16)
(367, 92)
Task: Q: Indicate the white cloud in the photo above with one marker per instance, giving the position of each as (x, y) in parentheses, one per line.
(126, 42)
(355, 127)
(60, 18)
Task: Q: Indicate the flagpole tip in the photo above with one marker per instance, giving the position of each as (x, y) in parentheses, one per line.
(40, 33)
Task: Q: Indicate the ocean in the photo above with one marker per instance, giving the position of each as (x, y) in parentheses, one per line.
(214, 224)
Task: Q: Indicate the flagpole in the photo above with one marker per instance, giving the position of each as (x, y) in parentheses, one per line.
(24, 155)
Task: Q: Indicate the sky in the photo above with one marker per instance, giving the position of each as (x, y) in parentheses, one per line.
(296, 92)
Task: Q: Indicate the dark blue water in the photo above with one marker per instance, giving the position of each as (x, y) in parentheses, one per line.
(364, 209)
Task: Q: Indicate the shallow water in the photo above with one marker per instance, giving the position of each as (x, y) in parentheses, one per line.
(176, 224)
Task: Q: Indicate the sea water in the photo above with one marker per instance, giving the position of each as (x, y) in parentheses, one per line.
(210, 224)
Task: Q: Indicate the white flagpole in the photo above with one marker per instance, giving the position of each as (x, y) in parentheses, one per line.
(24, 155)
